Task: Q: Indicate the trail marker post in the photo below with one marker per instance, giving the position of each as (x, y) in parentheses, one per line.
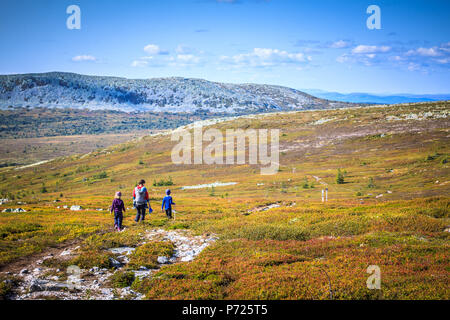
(322, 196)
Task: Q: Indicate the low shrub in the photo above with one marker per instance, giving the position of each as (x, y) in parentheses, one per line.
(267, 231)
(163, 182)
(92, 258)
(147, 254)
(112, 240)
(178, 226)
(122, 279)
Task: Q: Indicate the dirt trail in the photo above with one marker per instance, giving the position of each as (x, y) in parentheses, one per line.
(41, 282)
(25, 262)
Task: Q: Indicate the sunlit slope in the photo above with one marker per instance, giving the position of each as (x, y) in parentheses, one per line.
(400, 152)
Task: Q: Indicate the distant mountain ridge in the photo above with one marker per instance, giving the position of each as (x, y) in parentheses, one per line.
(377, 98)
(175, 95)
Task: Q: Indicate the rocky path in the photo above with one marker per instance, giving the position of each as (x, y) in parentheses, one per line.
(40, 282)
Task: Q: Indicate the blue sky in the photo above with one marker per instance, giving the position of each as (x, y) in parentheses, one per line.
(322, 44)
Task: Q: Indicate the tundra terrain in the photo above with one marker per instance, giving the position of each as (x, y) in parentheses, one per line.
(238, 234)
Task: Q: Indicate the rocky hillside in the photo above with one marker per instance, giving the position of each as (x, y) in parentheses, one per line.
(175, 95)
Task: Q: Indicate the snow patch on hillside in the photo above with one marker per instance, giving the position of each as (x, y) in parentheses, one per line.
(209, 185)
(175, 95)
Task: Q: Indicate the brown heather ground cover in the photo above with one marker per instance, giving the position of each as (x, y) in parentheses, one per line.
(303, 249)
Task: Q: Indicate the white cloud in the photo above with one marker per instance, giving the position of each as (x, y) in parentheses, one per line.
(370, 49)
(183, 49)
(84, 58)
(188, 58)
(423, 59)
(342, 58)
(413, 66)
(139, 63)
(158, 58)
(396, 58)
(265, 57)
(183, 60)
(341, 44)
(445, 47)
(428, 58)
(425, 52)
(152, 49)
(364, 54)
(443, 61)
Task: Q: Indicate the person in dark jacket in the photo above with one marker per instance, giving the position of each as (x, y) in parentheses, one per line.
(167, 204)
(141, 201)
(118, 208)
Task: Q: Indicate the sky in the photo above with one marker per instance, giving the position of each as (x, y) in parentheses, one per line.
(321, 44)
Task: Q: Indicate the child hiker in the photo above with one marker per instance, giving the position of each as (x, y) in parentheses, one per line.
(167, 204)
(118, 208)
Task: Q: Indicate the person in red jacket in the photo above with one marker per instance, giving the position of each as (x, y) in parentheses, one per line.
(141, 201)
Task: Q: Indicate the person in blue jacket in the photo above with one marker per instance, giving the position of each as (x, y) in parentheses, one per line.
(167, 204)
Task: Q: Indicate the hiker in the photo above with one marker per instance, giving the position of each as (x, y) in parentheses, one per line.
(118, 208)
(141, 201)
(167, 204)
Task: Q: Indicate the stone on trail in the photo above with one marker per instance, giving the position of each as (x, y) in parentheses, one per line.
(36, 285)
(45, 285)
(187, 258)
(66, 252)
(114, 263)
(24, 271)
(122, 250)
(76, 208)
(162, 260)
